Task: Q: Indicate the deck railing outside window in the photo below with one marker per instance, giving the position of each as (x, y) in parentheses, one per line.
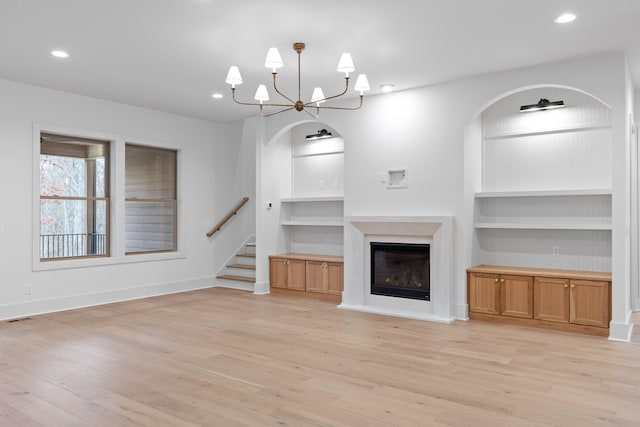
(72, 245)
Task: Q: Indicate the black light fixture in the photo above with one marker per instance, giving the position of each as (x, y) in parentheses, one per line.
(543, 104)
(322, 133)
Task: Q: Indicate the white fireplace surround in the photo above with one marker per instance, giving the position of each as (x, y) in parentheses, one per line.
(360, 231)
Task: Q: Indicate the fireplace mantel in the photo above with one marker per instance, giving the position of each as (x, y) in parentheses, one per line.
(436, 230)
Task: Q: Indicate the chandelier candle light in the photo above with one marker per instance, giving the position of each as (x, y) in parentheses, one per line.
(274, 61)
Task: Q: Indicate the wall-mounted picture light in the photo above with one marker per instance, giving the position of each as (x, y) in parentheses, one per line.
(543, 104)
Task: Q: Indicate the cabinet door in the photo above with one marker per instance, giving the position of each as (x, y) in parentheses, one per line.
(484, 293)
(335, 277)
(316, 277)
(516, 296)
(278, 272)
(297, 273)
(590, 303)
(551, 299)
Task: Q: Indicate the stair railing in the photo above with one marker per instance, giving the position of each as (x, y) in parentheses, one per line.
(228, 217)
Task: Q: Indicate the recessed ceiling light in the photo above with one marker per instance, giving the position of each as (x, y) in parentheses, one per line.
(59, 54)
(387, 87)
(217, 96)
(565, 18)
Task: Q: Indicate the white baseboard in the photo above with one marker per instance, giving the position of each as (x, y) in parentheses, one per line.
(50, 305)
(262, 288)
(621, 331)
(462, 312)
(395, 313)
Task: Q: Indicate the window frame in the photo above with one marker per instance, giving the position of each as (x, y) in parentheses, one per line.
(88, 199)
(116, 210)
(174, 201)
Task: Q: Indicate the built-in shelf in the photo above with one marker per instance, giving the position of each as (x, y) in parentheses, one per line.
(317, 211)
(312, 199)
(545, 193)
(583, 209)
(539, 226)
(313, 223)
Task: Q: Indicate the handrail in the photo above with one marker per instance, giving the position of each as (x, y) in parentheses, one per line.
(228, 217)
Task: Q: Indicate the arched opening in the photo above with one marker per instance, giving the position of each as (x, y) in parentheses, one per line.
(538, 185)
(301, 192)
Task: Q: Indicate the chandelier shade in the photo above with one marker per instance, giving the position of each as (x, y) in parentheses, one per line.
(233, 76)
(345, 65)
(274, 62)
(261, 94)
(318, 96)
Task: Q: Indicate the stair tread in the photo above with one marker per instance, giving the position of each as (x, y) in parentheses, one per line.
(245, 266)
(253, 245)
(247, 255)
(238, 278)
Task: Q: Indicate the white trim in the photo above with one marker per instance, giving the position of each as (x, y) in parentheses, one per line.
(51, 305)
(621, 331)
(546, 193)
(575, 128)
(262, 288)
(116, 198)
(312, 199)
(397, 313)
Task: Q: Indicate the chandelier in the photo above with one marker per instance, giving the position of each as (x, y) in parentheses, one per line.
(274, 61)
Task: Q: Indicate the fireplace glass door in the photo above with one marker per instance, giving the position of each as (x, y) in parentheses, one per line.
(400, 270)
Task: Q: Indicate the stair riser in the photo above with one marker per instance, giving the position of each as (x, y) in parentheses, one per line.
(232, 284)
(245, 260)
(240, 272)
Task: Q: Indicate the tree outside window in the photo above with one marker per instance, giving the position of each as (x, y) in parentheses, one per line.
(74, 197)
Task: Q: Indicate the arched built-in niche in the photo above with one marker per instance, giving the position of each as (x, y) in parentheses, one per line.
(541, 182)
(304, 182)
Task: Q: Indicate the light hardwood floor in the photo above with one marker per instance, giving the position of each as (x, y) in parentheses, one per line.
(221, 357)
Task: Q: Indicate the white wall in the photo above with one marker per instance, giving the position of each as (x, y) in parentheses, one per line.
(208, 159)
(635, 210)
(424, 130)
(234, 177)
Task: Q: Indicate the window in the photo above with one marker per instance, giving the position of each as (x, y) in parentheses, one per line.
(151, 200)
(74, 197)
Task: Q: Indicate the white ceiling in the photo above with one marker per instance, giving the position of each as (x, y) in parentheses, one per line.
(171, 55)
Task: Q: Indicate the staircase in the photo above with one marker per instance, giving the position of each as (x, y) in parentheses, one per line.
(241, 274)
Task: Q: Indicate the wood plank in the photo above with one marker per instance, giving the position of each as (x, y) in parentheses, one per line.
(310, 257)
(227, 357)
(546, 272)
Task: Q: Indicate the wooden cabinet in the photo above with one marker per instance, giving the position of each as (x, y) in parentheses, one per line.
(286, 273)
(580, 302)
(501, 294)
(516, 296)
(324, 277)
(590, 303)
(551, 296)
(320, 274)
(484, 293)
(560, 299)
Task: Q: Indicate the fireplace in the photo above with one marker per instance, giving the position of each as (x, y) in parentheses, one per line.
(400, 270)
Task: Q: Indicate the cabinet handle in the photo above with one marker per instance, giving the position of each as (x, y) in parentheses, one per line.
(495, 280)
(573, 286)
(501, 280)
(566, 286)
